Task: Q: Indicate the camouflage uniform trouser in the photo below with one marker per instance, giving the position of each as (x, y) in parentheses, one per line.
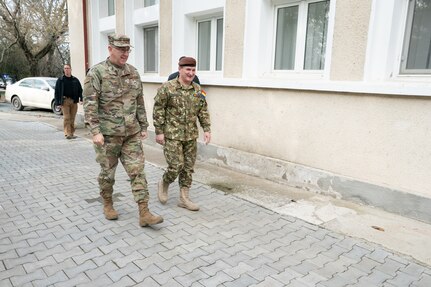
(129, 151)
(181, 158)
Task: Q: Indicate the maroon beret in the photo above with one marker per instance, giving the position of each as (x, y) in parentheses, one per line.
(187, 61)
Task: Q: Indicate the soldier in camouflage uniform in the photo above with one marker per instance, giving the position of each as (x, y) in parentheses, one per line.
(178, 105)
(115, 114)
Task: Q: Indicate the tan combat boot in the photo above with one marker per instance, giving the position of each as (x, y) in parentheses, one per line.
(185, 201)
(163, 191)
(145, 216)
(108, 209)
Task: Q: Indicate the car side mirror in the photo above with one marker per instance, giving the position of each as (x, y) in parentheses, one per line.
(45, 89)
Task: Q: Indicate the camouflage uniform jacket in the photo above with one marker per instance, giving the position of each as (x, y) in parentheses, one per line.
(176, 110)
(113, 100)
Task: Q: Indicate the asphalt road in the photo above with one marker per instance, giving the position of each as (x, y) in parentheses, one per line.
(35, 112)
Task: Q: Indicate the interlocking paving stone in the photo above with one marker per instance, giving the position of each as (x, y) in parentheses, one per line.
(50, 251)
(191, 278)
(10, 263)
(10, 273)
(142, 274)
(414, 269)
(402, 279)
(164, 277)
(117, 275)
(148, 282)
(101, 281)
(376, 278)
(212, 269)
(269, 282)
(53, 232)
(312, 279)
(75, 281)
(76, 251)
(22, 279)
(304, 267)
(390, 267)
(216, 280)
(237, 271)
(51, 280)
(243, 280)
(54, 268)
(424, 280)
(125, 281)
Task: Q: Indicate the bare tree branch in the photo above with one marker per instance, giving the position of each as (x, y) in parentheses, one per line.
(35, 26)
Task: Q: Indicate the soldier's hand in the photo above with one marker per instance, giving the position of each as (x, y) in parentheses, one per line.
(207, 137)
(160, 139)
(144, 135)
(98, 139)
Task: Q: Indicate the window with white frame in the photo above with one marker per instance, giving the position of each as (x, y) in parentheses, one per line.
(148, 3)
(210, 44)
(111, 7)
(301, 35)
(138, 4)
(416, 57)
(151, 48)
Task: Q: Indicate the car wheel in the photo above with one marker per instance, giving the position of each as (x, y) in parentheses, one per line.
(16, 104)
(56, 109)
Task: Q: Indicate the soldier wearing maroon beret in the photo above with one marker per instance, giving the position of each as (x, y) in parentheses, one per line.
(176, 74)
(178, 105)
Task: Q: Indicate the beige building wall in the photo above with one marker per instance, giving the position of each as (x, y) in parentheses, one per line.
(376, 139)
(76, 35)
(77, 46)
(165, 29)
(352, 18)
(119, 17)
(234, 38)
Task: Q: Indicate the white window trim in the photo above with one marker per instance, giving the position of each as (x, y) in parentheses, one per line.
(407, 35)
(101, 28)
(261, 45)
(137, 19)
(386, 40)
(157, 50)
(299, 70)
(213, 55)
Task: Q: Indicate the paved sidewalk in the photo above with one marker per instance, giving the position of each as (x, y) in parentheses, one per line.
(53, 233)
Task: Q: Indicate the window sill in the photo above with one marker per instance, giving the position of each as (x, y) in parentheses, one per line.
(404, 88)
(381, 88)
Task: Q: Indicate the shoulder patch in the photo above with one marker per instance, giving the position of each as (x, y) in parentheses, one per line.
(202, 94)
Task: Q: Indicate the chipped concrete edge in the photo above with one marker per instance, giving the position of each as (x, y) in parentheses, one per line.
(319, 181)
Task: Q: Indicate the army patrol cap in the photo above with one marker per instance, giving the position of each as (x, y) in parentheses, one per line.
(187, 61)
(119, 40)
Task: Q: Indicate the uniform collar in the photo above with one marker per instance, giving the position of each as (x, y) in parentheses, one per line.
(124, 70)
(178, 85)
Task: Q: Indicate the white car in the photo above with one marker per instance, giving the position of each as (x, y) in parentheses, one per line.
(37, 92)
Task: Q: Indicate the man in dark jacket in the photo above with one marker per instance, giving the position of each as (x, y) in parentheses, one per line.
(68, 92)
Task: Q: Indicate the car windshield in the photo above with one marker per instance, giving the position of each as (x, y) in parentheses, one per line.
(51, 82)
